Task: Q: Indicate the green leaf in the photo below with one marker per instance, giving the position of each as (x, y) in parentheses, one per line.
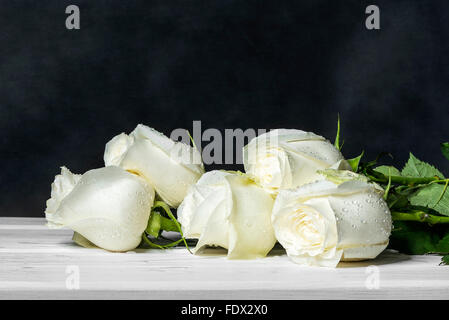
(443, 245)
(396, 201)
(157, 223)
(387, 189)
(417, 168)
(434, 196)
(354, 162)
(387, 170)
(154, 224)
(445, 149)
(413, 238)
(445, 260)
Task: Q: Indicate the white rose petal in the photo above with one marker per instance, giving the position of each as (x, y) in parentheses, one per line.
(170, 167)
(60, 188)
(109, 206)
(288, 158)
(116, 149)
(324, 222)
(228, 210)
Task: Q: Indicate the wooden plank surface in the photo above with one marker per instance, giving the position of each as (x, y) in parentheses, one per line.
(39, 263)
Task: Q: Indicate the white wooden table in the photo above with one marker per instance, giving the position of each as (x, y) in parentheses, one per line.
(39, 263)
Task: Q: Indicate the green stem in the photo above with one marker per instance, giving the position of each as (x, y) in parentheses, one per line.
(167, 210)
(407, 180)
(442, 193)
(419, 216)
(157, 246)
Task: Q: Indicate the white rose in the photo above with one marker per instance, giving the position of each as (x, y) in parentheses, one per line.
(288, 158)
(170, 167)
(324, 222)
(109, 206)
(229, 210)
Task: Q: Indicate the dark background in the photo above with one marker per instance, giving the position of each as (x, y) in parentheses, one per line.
(231, 64)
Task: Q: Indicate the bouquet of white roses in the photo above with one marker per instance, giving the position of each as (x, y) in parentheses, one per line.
(298, 190)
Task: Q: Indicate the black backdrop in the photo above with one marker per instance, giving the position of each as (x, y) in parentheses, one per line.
(230, 64)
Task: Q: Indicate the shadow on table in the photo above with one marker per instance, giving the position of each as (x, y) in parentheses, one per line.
(219, 251)
(386, 257)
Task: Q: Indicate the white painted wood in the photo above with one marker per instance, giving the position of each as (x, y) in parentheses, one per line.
(34, 261)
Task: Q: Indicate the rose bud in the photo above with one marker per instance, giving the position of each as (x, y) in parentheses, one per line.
(109, 206)
(340, 218)
(288, 158)
(170, 167)
(228, 210)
